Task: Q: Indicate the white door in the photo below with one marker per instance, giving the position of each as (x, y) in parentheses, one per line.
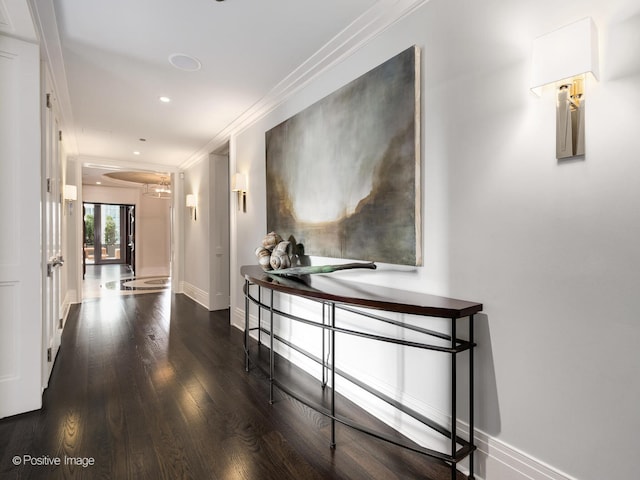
(20, 254)
(219, 227)
(51, 231)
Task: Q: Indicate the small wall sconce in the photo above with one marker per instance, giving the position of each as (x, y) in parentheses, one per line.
(70, 195)
(191, 202)
(239, 184)
(563, 58)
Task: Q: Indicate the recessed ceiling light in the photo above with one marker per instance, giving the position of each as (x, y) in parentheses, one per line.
(164, 99)
(136, 153)
(98, 183)
(185, 62)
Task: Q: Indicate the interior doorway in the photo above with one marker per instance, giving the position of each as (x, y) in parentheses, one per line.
(108, 235)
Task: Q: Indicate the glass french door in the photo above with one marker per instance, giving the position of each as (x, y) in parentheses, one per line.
(106, 233)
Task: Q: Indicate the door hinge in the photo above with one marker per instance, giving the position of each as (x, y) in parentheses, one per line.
(48, 100)
(49, 354)
(60, 135)
(48, 185)
(60, 324)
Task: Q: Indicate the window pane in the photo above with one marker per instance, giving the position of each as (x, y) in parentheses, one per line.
(89, 219)
(110, 230)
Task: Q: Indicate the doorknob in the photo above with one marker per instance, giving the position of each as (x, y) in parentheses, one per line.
(54, 262)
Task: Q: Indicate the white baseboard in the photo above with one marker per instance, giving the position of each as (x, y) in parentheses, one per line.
(494, 459)
(237, 318)
(70, 298)
(497, 460)
(196, 294)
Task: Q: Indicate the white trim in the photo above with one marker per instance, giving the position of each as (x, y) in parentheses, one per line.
(196, 294)
(69, 299)
(237, 318)
(371, 23)
(497, 460)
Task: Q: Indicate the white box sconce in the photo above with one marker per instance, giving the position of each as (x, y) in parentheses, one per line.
(563, 58)
(70, 195)
(192, 202)
(239, 185)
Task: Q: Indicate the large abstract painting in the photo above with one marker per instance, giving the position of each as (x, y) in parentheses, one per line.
(343, 175)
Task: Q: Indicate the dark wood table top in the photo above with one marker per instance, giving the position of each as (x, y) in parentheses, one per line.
(333, 287)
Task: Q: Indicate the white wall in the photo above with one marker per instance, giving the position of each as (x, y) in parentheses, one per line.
(115, 195)
(196, 235)
(206, 237)
(549, 247)
(153, 231)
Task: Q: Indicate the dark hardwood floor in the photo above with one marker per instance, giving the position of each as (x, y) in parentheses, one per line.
(153, 386)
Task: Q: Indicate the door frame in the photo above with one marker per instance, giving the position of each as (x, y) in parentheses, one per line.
(126, 236)
(51, 165)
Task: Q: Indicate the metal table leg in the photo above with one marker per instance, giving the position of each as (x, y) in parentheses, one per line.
(453, 397)
(471, 399)
(246, 325)
(332, 346)
(271, 354)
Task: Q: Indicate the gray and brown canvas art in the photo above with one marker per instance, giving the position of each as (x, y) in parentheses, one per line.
(343, 175)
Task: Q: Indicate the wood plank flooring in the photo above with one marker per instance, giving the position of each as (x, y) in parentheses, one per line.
(153, 386)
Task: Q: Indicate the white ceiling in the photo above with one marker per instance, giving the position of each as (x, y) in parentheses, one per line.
(110, 64)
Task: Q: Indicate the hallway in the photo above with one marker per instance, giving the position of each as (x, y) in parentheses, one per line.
(153, 386)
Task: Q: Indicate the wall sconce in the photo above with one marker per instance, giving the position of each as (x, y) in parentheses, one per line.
(191, 202)
(563, 58)
(70, 195)
(239, 184)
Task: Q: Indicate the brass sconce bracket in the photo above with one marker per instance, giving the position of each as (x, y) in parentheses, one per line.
(570, 119)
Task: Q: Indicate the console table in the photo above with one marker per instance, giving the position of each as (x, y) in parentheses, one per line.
(364, 302)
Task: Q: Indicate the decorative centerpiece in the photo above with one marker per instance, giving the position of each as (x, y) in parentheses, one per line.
(279, 257)
(264, 252)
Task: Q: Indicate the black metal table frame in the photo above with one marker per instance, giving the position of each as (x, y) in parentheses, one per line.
(460, 448)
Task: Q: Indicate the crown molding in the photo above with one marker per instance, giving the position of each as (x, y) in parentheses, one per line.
(361, 31)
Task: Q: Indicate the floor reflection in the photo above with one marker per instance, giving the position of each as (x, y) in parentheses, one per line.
(103, 280)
